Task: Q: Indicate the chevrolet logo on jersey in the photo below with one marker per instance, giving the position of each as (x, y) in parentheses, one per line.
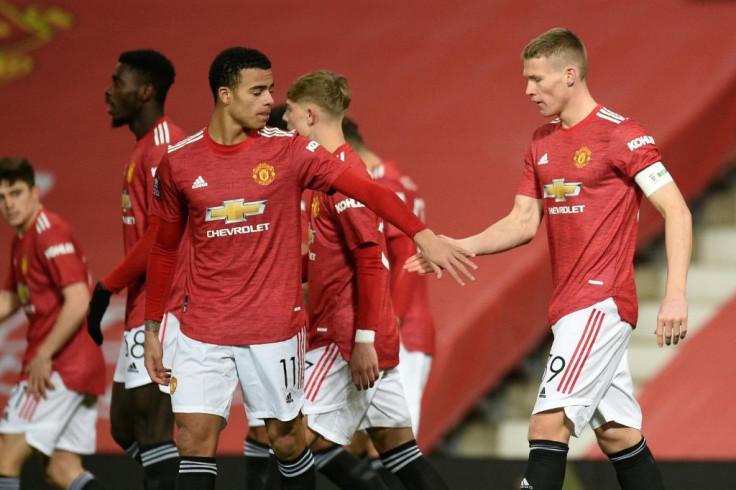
(561, 191)
(235, 210)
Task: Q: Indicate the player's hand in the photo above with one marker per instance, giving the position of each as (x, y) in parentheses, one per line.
(671, 320)
(364, 365)
(39, 377)
(98, 304)
(445, 253)
(417, 263)
(153, 359)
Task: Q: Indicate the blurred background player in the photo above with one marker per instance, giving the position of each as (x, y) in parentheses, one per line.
(353, 338)
(246, 255)
(409, 292)
(141, 419)
(53, 408)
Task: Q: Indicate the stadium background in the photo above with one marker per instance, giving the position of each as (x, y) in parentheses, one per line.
(436, 86)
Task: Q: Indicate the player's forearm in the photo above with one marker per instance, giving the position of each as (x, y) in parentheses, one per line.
(160, 271)
(678, 245)
(368, 271)
(71, 316)
(519, 227)
(133, 266)
(8, 304)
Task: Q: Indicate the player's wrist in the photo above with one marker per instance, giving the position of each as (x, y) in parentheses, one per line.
(363, 336)
(152, 326)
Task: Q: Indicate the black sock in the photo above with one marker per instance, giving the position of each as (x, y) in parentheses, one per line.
(133, 452)
(196, 473)
(636, 469)
(160, 465)
(347, 471)
(412, 468)
(256, 463)
(9, 483)
(85, 481)
(545, 468)
(298, 473)
(273, 476)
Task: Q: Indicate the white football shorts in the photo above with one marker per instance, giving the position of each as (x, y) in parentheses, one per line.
(414, 367)
(335, 408)
(204, 377)
(64, 420)
(130, 368)
(587, 372)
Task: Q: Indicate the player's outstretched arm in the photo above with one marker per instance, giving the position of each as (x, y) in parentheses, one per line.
(517, 228)
(678, 233)
(71, 315)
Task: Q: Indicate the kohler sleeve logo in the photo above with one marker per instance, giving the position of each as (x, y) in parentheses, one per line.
(639, 142)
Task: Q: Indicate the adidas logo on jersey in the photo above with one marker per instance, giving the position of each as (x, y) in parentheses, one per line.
(542, 394)
(199, 182)
(289, 399)
(526, 485)
(544, 160)
(132, 368)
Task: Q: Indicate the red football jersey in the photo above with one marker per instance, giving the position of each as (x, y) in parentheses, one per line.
(337, 226)
(45, 260)
(137, 197)
(417, 328)
(242, 203)
(585, 176)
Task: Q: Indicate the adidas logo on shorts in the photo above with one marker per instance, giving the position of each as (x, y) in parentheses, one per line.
(289, 399)
(542, 394)
(526, 485)
(132, 368)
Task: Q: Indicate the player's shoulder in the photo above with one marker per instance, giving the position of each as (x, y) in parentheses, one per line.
(276, 133)
(164, 133)
(51, 228)
(189, 143)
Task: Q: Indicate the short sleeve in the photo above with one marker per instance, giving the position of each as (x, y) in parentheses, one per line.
(359, 224)
(632, 149)
(529, 185)
(62, 259)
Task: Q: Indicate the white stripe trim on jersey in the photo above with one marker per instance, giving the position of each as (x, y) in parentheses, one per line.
(165, 128)
(612, 114)
(186, 141)
(270, 132)
(42, 223)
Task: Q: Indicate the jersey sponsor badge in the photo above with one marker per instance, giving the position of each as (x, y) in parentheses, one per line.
(561, 190)
(235, 210)
(582, 157)
(264, 173)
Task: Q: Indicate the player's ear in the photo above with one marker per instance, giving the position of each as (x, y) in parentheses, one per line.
(224, 95)
(571, 75)
(146, 92)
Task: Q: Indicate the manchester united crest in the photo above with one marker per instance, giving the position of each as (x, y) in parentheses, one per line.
(129, 172)
(264, 173)
(172, 385)
(315, 206)
(582, 157)
(24, 265)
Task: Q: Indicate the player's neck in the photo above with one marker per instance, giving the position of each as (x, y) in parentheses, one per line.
(23, 228)
(577, 109)
(330, 137)
(225, 131)
(145, 121)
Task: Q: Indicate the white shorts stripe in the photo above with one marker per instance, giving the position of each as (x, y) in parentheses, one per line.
(572, 373)
(321, 370)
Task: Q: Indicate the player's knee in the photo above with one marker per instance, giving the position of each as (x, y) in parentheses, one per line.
(613, 437)
(550, 425)
(287, 439)
(385, 439)
(62, 468)
(198, 434)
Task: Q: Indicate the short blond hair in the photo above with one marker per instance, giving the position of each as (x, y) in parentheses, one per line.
(327, 89)
(561, 43)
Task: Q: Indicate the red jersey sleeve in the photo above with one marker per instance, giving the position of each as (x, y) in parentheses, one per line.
(317, 167)
(359, 224)
(167, 202)
(61, 257)
(632, 149)
(529, 185)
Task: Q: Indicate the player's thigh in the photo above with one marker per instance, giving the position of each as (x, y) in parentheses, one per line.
(14, 451)
(121, 415)
(154, 420)
(198, 434)
(272, 377)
